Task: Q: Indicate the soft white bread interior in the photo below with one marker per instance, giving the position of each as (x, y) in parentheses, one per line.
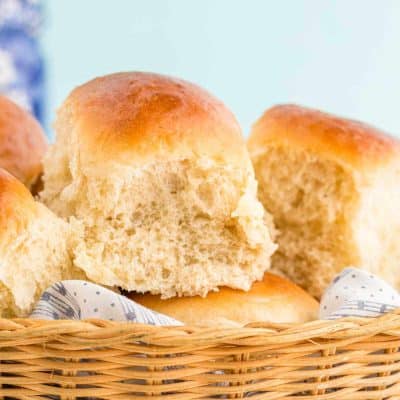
(274, 299)
(333, 188)
(22, 143)
(34, 248)
(153, 172)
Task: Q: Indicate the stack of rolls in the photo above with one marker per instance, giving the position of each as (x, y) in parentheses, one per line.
(150, 188)
(35, 244)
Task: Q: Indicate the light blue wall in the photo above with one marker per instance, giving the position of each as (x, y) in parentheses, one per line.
(342, 56)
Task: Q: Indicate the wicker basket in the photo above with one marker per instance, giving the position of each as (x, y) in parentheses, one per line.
(347, 359)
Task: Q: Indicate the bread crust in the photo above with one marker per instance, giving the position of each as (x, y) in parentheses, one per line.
(17, 208)
(274, 299)
(350, 143)
(137, 117)
(22, 143)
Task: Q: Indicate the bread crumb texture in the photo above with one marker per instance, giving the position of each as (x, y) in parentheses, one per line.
(35, 249)
(329, 213)
(177, 227)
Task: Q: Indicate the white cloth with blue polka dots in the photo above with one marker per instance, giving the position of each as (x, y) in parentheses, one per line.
(76, 299)
(357, 293)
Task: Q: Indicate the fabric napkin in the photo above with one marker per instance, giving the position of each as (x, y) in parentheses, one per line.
(358, 293)
(76, 299)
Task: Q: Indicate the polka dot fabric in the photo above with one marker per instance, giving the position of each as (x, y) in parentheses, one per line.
(75, 299)
(357, 293)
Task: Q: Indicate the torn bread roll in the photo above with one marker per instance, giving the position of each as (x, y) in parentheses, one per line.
(34, 248)
(155, 175)
(333, 188)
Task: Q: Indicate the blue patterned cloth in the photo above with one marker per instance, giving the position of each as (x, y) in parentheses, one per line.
(76, 299)
(21, 63)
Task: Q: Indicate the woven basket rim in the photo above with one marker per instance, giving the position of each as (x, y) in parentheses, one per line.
(346, 359)
(253, 334)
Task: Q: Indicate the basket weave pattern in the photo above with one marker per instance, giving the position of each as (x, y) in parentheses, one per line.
(349, 359)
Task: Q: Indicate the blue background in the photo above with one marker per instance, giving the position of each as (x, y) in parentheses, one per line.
(341, 56)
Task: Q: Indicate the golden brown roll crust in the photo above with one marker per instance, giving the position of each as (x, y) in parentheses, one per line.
(17, 207)
(22, 143)
(153, 115)
(274, 299)
(344, 140)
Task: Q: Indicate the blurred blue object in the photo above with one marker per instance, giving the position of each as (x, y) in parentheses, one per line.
(21, 63)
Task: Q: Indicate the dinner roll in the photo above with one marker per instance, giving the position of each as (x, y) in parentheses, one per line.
(33, 248)
(274, 299)
(333, 188)
(22, 143)
(156, 177)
